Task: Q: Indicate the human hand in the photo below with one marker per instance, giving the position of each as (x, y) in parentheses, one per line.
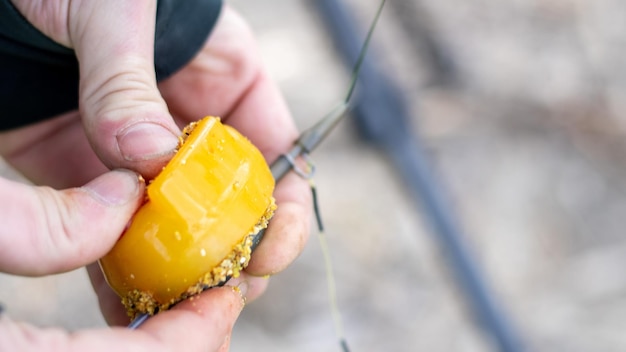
(202, 324)
(123, 121)
(46, 232)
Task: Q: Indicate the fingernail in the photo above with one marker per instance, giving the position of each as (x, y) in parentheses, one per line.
(242, 289)
(145, 141)
(114, 188)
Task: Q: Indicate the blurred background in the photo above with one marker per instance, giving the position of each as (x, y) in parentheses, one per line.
(520, 106)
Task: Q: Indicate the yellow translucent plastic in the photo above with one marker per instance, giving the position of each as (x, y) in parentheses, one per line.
(204, 202)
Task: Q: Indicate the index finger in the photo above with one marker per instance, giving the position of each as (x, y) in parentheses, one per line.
(227, 79)
(201, 324)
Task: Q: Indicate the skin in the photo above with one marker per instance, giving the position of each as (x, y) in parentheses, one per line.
(85, 165)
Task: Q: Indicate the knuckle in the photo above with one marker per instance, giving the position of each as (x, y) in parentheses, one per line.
(112, 95)
(53, 232)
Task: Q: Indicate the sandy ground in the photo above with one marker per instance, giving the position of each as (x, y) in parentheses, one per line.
(527, 137)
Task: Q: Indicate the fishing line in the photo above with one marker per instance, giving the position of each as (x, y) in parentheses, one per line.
(330, 277)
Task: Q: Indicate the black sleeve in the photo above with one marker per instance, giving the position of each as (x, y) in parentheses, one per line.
(39, 77)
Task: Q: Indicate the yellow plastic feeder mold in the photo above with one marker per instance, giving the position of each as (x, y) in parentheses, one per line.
(197, 225)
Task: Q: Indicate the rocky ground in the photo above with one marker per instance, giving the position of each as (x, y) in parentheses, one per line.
(524, 124)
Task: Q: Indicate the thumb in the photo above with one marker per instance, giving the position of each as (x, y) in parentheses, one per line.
(125, 117)
(46, 231)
